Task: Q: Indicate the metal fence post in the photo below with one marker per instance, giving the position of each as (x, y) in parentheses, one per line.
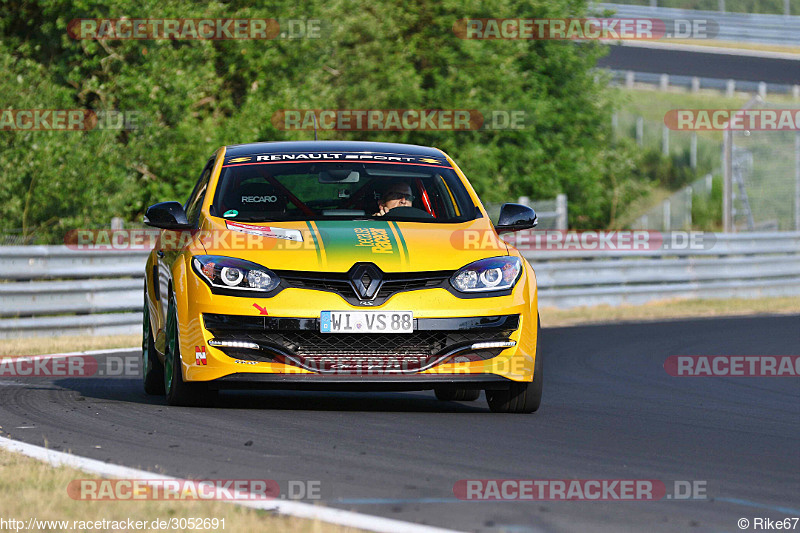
(687, 219)
(797, 181)
(561, 212)
(693, 151)
(665, 140)
(664, 82)
(666, 215)
(630, 77)
(730, 88)
(762, 89)
(722, 6)
(727, 180)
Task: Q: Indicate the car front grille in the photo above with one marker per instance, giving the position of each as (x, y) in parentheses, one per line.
(298, 342)
(340, 284)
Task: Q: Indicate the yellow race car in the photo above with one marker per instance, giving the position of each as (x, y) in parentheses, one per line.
(339, 265)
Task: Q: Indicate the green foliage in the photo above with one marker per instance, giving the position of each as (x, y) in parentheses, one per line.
(671, 171)
(707, 210)
(193, 96)
(734, 6)
(624, 180)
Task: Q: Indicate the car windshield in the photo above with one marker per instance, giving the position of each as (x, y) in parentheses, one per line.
(266, 192)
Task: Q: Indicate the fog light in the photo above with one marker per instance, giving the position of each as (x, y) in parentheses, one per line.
(233, 344)
(498, 344)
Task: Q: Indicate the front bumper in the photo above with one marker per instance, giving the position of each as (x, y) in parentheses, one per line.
(290, 350)
(376, 382)
(298, 342)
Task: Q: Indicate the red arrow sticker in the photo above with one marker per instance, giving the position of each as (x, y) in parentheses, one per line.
(261, 310)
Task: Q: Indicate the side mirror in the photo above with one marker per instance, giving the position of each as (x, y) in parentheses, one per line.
(167, 215)
(516, 217)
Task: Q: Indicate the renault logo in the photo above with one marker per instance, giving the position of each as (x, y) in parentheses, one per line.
(366, 279)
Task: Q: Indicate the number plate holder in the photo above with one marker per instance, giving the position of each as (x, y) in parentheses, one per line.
(366, 322)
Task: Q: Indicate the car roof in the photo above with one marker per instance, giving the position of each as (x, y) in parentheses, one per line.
(238, 150)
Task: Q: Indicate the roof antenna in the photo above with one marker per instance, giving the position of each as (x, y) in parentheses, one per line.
(315, 125)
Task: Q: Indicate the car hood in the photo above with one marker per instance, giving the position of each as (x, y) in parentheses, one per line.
(334, 246)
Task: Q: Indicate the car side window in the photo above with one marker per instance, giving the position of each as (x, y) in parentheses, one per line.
(195, 200)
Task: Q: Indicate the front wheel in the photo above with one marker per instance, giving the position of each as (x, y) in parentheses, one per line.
(520, 397)
(152, 369)
(178, 391)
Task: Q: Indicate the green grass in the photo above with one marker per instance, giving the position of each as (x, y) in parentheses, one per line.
(47, 345)
(33, 489)
(653, 104)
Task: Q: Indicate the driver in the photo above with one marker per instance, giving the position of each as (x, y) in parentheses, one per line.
(397, 195)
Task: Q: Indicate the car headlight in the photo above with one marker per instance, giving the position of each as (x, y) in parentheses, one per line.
(492, 274)
(231, 273)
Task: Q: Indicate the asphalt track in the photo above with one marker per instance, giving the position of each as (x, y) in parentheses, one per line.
(706, 65)
(610, 411)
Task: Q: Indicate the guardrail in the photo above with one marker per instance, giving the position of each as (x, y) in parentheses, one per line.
(629, 79)
(734, 27)
(748, 265)
(54, 290)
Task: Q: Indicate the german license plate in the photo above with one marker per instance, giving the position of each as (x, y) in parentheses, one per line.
(366, 322)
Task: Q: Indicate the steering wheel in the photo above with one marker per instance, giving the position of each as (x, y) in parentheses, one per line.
(408, 212)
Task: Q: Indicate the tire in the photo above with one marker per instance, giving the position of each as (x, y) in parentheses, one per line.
(152, 369)
(177, 390)
(456, 394)
(520, 397)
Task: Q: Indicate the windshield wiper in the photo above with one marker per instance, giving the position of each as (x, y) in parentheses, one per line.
(252, 219)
